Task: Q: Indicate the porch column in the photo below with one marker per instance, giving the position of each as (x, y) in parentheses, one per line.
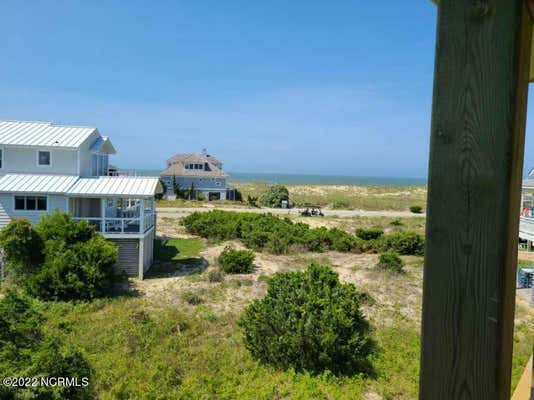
(142, 216)
(474, 187)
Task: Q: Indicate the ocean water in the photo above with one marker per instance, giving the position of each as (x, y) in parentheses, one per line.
(295, 179)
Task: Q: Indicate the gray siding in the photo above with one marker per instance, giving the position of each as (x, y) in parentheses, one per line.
(8, 212)
(215, 184)
(23, 160)
(128, 261)
(148, 251)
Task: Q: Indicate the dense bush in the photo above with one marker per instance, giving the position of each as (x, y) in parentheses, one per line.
(83, 270)
(69, 260)
(309, 321)
(23, 248)
(390, 261)
(25, 350)
(274, 195)
(416, 209)
(369, 234)
(405, 243)
(280, 235)
(236, 261)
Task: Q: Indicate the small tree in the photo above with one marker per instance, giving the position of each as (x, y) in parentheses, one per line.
(23, 248)
(390, 261)
(176, 188)
(236, 261)
(274, 196)
(159, 196)
(309, 321)
(252, 201)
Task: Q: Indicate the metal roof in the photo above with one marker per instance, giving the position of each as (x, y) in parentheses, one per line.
(75, 186)
(116, 186)
(20, 183)
(528, 183)
(26, 133)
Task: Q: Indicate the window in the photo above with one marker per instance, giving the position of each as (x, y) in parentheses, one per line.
(36, 203)
(1, 158)
(43, 157)
(99, 165)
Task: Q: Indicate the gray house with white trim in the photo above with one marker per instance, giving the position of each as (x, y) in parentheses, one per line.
(201, 171)
(46, 167)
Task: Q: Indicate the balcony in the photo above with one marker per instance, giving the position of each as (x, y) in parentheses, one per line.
(115, 216)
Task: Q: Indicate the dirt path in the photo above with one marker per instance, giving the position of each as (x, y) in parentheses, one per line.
(178, 212)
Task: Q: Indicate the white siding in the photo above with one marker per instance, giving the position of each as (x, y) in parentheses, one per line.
(7, 208)
(85, 155)
(23, 160)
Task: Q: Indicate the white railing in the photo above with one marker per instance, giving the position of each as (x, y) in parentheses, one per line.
(119, 225)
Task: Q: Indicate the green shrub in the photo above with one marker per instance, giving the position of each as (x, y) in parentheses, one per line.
(390, 261)
(192, 298)
(416, 209)
(309, 321)
(342, 241)
(396, 222)
(23, 248)
(340, 205)
(252, 201)
(369, 234)
(81, 271)
(236, 261)
(274, 196)
(61, 226)
(216, 275)
(25, 350)
(405, 243)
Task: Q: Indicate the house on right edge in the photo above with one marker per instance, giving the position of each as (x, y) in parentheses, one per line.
(199, 171)
(526, 220)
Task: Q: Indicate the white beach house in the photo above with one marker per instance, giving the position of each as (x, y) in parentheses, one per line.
(46, 167)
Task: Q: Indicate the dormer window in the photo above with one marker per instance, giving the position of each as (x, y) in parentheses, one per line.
(43, 158)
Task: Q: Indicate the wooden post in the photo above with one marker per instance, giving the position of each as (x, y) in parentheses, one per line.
(475, 169)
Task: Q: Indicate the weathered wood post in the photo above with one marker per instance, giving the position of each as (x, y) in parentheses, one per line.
(476, 157)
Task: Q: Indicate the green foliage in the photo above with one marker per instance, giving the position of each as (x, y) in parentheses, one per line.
(178, 192)
(369, 234)
(82, 270)
(23, 248)
(405, 243)
(396, 222)
(252, 201)
(274, 195)
(390, 261)
(416, 209)
(75, 262)
(238, 196)
(236, 261)
(340, 205)
(159, 196)
(265, 231)
(192, 298)
(61, 226)
(309, 321)
(25, 350)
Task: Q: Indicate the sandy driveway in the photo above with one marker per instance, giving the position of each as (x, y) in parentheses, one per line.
(178, 212)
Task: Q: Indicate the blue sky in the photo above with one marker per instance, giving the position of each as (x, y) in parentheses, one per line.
(332, 87)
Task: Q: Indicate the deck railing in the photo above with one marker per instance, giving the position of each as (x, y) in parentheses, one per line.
(120, 225)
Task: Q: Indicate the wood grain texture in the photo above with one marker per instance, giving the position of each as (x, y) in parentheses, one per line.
(475, 169)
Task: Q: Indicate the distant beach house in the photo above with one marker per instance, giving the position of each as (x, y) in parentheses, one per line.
(46, 167)
(203, 172)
